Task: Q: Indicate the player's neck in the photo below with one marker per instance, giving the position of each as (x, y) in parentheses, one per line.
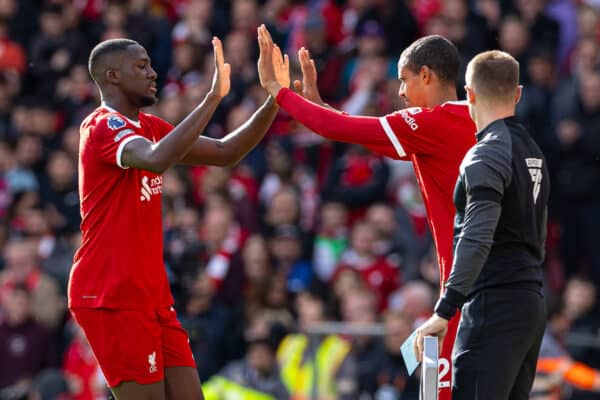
(123, 107)
(488, 115)
(442, 96)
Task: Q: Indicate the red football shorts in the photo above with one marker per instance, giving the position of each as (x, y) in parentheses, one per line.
(135, 345)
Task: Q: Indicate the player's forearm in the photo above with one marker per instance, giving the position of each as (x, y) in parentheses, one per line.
(472, 250)
(239, 142)
(329, 123)
(178, 142)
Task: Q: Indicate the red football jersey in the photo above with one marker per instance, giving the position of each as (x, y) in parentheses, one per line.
(435, 140)
(120, 261)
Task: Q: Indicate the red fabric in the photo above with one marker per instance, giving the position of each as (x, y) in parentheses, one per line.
(217, 266)
(435, 140)
(91, 9)
(135, 345)
(8, 283)
(359, 170)
(120, 261)
(380, 276)
(242, 186)
(80, 363)
(12, 57)
(334, 17)
(425, 9)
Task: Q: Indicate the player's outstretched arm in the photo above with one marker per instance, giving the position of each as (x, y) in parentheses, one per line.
(229, 150)
(233, 147)
(324, 121)
(157, 157)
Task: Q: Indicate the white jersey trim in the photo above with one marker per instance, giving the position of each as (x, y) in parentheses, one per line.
(392, 136)
(112, 110)
(122, 147)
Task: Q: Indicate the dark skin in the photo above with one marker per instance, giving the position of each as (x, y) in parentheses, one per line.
(128, 83)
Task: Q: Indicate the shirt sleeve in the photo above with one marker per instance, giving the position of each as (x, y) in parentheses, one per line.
(160, 127)
(334, 125)
(485, 173)
(110, 136)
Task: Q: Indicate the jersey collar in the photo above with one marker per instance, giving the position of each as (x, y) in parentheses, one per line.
(112, 110)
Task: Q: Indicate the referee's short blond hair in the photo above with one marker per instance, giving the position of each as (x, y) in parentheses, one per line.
(493, 76)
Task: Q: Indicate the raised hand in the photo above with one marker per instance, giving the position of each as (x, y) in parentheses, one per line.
(222, 77)
(266, 69)
(281, 65)
(308, 87)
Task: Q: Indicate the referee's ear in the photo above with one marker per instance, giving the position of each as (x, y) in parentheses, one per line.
(519, 93)
(470, 94)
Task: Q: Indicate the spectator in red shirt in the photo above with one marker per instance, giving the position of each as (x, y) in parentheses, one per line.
(12, 55)
(82, 373)
(377, 272)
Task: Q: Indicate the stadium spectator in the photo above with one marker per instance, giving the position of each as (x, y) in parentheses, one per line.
(557, 373)
(303, 352)
(285, 245)
(213, 328)
(577, 181)
(256, 376)
(27, 347)
(331, 239)
(22, 267)
(82, 373)
(357, 179)
(59, 191)
(378, 273)
(385, 375)
(223, 240)
(53, 50)
(12, 55)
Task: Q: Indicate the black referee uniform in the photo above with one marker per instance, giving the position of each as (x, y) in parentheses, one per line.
(499, 233)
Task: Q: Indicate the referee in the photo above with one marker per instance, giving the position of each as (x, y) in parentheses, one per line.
(500, 229)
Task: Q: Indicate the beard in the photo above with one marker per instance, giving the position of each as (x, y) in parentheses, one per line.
(147, 101)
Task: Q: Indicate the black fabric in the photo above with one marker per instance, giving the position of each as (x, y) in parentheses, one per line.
(485, 194)
(447, 306)
(517, 250)
(497, 345)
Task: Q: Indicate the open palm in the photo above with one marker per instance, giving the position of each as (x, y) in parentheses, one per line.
(281, 66)
(222, 76)
(308, 86)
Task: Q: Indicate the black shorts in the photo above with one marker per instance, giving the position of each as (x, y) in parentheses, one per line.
(497, 345)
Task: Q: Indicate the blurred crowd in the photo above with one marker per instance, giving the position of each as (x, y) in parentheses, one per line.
(303, 231)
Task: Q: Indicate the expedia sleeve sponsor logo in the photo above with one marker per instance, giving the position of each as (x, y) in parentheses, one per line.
(410, 121)
(120, 135)
(150, 187)
(115, 122)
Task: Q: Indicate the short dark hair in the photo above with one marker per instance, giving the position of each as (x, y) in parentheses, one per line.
(104, 49)
(435, 52)
(494, 74)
